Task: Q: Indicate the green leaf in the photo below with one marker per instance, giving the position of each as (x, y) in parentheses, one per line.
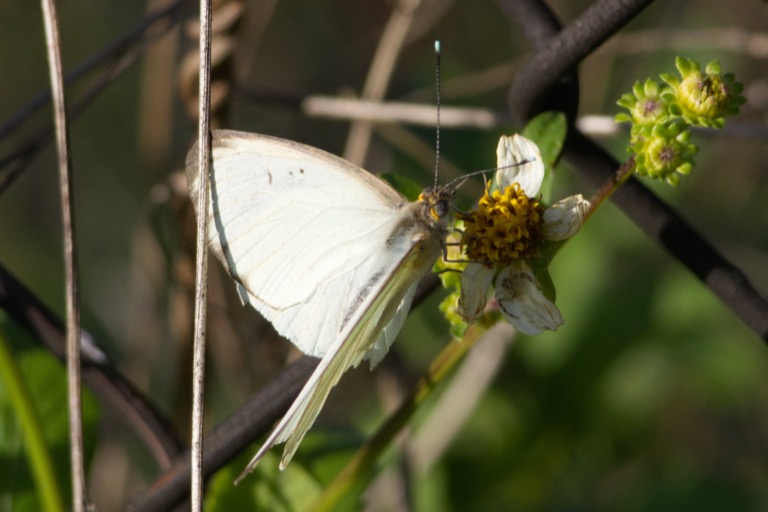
(627, 100)
(713, 68)
(267, 488)
(548, 131)
(670, 79)
(409, 188)
(323, 453)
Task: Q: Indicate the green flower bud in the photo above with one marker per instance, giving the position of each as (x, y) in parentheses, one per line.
(666, 153)
(702, 98)
(645, 104)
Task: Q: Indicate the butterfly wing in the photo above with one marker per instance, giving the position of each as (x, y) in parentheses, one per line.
(327, 253)
(297, 229)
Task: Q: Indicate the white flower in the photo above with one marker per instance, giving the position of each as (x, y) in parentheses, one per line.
(522, 302)
(509, 228)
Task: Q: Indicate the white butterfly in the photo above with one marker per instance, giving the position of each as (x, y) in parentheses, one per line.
(328, 253)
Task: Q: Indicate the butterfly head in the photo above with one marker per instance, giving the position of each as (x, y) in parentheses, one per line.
(438, 202)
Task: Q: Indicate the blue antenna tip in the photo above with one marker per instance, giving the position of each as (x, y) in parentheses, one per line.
(437, 47)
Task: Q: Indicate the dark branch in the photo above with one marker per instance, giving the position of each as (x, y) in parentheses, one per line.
(548, 81)
(664, 225)
(229, 438)
(114, 390)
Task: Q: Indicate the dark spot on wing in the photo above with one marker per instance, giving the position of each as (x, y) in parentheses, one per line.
(270, 177)
(301, 171)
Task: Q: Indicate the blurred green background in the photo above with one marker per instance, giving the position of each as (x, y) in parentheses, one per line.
(652, 396)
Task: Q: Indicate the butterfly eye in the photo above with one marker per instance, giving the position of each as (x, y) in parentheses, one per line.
(440, 209)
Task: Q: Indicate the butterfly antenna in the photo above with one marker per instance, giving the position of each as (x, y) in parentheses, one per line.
(437, 94)
(457, 182)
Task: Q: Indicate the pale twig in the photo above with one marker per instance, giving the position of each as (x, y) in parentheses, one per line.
(737, 40)
(79, 493)
(379, 75)
(422, 114)
(460, 397)
(399, 112)
(201, 260)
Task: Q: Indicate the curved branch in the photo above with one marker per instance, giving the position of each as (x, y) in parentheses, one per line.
(100, 376)
(228, 438)
(548, 81)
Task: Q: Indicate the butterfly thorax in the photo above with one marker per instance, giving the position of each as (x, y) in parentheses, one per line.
(422, 227)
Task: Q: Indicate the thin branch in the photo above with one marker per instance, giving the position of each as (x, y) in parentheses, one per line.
(79, 492)
(201, 260)
(380, 73)
(734, 39)
(398, 112)
(154, 26)
(24, 153)
(480, 118)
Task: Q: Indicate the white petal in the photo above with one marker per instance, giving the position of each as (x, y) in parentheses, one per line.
(562, 219)
(475, 280)
(522, 302)
(515, 149)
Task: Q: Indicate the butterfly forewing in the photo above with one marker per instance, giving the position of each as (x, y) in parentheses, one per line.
(298, 229)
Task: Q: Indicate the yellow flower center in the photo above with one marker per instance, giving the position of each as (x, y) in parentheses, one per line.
(506, 226)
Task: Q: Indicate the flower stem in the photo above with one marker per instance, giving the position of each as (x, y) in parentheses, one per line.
(356, 471)
(610, 186)
(40, 461)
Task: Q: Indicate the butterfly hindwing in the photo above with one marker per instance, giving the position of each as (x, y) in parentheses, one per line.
(385, 307)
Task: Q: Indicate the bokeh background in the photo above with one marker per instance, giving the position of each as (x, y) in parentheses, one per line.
(652, 396)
